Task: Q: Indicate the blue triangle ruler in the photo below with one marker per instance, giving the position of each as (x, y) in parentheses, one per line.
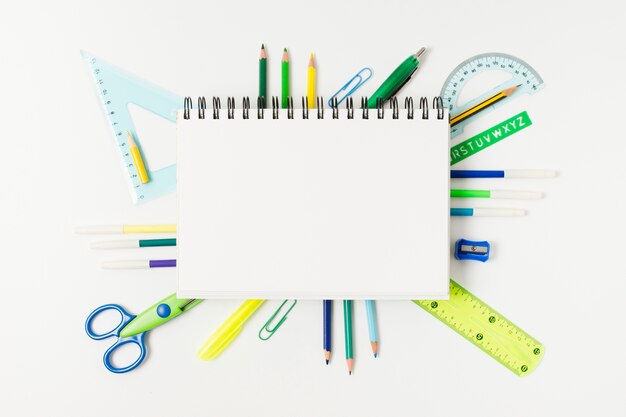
(117, 89)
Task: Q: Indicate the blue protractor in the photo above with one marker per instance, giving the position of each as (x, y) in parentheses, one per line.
(522, 75)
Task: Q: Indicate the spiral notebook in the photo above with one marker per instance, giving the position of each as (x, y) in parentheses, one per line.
(313, 204)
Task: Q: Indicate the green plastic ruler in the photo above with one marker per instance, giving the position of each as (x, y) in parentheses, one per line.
(470, 317)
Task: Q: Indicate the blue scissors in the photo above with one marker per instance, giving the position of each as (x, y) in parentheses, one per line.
(132, 329)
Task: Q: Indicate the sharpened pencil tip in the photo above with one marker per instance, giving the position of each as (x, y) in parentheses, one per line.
(375, 355)
(285, 50)
(262, 46)
(327, 361)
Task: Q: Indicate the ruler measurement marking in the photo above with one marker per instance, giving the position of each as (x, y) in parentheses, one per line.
(487, 329)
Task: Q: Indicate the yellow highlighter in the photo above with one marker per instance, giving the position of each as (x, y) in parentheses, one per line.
(136, 155)
(310, 88)
(227, 332)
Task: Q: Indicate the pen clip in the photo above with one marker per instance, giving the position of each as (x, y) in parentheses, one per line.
(403, 84)
(362, 76)
(269, 328)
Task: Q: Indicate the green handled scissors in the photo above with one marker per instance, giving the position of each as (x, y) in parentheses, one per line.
(132, 329)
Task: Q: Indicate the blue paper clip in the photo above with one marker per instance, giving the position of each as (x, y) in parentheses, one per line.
(472, 250)
(360, 76)
(269, 328)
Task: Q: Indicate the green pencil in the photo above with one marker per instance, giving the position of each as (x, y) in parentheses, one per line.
(347, 328)
(285, 79)
(263, 75)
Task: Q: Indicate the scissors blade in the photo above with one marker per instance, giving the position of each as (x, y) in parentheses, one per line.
(158, 314)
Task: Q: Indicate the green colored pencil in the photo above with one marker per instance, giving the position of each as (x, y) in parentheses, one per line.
(285, 79)
(263, 75)
(347, 328)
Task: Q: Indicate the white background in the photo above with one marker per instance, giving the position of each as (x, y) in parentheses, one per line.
(556, 273)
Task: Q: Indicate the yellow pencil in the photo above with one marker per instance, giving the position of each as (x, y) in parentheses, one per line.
(310, 89)
(482, 105)
(136, 155)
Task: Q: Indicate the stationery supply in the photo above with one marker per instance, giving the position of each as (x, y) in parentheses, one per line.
(489, 137)
(469, 250)
(351, 86)
(125, 229)
(227, 332)
(496, 194)
(140, 264)
(285, 79)
(347, 331)
(371, 325)
(275, 321)
(398, 78)
(508, 173)
(524, 79)
(117, 89)
(137, 159)
(132, 329)
(310, 87)
(127, 244)
(263, 77)
(284, 203)
(469, 316)
(486, 212)
(490, 101)
(327, 319)
(334, 201)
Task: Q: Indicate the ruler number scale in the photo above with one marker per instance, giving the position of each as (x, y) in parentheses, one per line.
(487, 329)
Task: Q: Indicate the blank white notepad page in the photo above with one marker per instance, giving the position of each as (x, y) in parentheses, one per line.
(313, 208)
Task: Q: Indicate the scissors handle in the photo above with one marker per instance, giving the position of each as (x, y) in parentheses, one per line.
(125, 319)
(136, 340)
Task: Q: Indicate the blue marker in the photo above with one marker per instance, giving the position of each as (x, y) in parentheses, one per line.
(509, 173)
(486, 212)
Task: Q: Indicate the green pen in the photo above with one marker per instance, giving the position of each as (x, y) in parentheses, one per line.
(397, 79)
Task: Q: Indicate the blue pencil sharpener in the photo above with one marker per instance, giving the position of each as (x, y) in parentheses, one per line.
(469, 250)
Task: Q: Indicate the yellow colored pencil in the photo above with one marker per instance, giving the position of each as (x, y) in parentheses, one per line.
(310, 88)
(136, 155)
(482, 105)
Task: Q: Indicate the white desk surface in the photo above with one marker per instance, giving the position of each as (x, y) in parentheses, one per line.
(556, 273)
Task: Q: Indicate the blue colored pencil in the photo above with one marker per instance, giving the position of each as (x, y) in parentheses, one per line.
(371, 325)
(328, 314)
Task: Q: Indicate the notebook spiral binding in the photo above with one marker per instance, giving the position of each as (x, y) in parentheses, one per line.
(437, 105)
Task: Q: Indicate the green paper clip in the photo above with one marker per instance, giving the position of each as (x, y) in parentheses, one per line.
(268, 328)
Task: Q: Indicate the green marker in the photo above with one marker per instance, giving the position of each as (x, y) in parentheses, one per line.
(126, 244)
(397, 79)
(496, 194)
